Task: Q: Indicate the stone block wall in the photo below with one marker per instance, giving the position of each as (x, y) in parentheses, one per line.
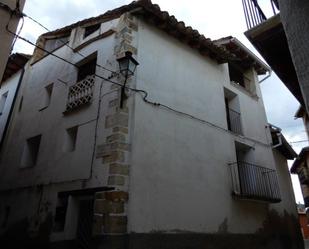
(110, 208)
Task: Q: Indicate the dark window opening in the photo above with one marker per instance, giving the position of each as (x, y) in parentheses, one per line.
(85, 221)
(233, 116)
(31, 150)
(53, 44)
(86, 69)
(61, 211)
(91, 29)
(21, 103)
(47, 96)
(71, 136)
(236, 76)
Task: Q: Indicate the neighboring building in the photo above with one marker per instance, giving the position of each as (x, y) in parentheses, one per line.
(10, 19)
(282, 40)
(10, 84)
(303, 220)
(90, 164)
(300, 167)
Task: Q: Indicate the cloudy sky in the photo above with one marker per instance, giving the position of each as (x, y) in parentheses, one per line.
(214, 19)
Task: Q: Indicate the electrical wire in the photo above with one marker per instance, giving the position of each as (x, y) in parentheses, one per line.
(143, 92)
(22, 15)
(300, 141)
(14, 12)
(19, 31)
(65, 43)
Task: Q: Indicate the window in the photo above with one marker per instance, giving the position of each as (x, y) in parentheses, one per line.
(242, 78)
(70, 139)
(232, 109)
(55, 43)
(47, 96)
(2, 101)
(251, 181)
(91, 29)
(21, 103)
(61, 211)
(74, 215)
(236, 75)
(87, 68)
(81, 93)
(30, 153)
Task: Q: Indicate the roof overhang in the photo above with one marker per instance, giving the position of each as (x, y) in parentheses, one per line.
(244, 58)
(152, 14)
(281, 144)
(15, 62)
(270, 41)
(300, 159)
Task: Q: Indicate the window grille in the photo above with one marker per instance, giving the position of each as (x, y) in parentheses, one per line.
(80, 93)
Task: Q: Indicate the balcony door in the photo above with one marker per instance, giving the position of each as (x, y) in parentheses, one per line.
(247, 174)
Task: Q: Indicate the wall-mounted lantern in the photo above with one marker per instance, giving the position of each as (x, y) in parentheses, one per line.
(127, 66)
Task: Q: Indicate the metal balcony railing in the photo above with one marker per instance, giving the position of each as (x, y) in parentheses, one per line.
(234, 121)
(80, 93)
(254, 182)
(255, 15)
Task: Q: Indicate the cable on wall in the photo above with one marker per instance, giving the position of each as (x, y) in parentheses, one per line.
(145, 95)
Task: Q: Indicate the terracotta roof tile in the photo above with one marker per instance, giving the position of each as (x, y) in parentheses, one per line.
(164, 21)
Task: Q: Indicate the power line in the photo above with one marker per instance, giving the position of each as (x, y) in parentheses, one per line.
(145, 97)
(300, 141)
(65, 43)
(145, 94)
(17, 10)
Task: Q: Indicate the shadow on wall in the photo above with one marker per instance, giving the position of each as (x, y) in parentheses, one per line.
(278, 232)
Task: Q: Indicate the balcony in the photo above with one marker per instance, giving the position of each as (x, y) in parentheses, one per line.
(266, 33)
(81, 93)
(255, 15)
(253, 182)
(234, 121)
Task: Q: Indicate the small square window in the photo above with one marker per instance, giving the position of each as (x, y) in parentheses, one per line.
(86, 69)
(91, 29)
(47, 96)
(30, 153)
(70, 139)
(236, 75)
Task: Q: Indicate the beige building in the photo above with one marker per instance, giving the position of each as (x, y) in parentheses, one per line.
(182, 156)
(10, 19)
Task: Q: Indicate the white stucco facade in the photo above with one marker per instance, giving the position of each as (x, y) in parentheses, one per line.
(182, 162)
(170, 170)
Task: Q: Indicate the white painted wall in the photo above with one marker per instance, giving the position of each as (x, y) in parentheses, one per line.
(179, 173)
(55, 165)
(180, 178)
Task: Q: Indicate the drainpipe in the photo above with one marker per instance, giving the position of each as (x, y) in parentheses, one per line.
(266, 77)
(280, 141)
(11, 110)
